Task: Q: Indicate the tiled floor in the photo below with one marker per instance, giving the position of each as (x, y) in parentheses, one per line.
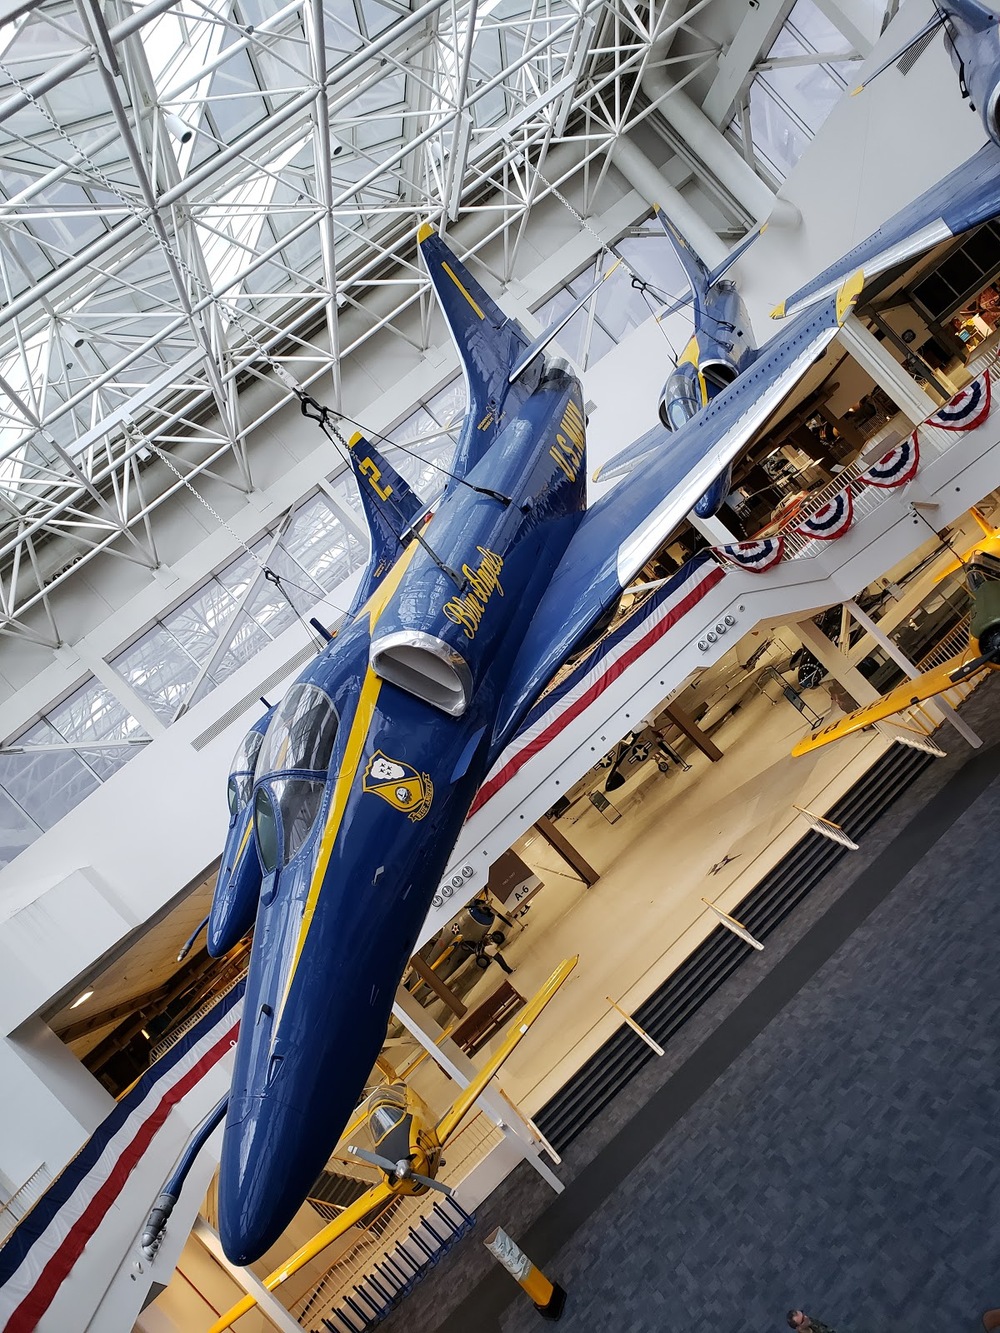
(843, 1156)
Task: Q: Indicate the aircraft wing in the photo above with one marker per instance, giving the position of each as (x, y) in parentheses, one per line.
(903, 696)
(465, 1100)
(966, 196)
(630, 523)
(341, 1224)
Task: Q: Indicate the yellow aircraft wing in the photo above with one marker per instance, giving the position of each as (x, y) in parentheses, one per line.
(341, 1224)
(902, 697)
(463, 1103)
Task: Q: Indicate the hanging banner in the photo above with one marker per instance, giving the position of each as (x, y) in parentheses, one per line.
(830, 522)
(895, 468)
(968, 409)
(754, 556)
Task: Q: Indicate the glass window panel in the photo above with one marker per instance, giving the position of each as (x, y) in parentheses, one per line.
(776, 136)
(94, 713)
(315, 531)
(247, 639)
(17, 830)
(447, 406)
(197, 624)
(46, 784)
(159, 670)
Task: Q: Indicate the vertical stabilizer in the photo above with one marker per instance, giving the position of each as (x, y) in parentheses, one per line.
(489, 344)
(698, 277)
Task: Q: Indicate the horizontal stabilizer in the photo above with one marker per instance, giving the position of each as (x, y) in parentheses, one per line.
(909, 48)
(904, 696)
(543, 339)
(966, 196)
(391, 509)
(736, 253)
(488, 342)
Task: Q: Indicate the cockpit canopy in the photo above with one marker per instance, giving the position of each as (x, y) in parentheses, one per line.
(387, 1111)
(241, 770)
(299, 741)
(301, 733)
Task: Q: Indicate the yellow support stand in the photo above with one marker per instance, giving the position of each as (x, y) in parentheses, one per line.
(548, 1297)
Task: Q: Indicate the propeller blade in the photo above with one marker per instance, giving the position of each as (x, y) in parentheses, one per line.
(431, 1184)
(372, 1158)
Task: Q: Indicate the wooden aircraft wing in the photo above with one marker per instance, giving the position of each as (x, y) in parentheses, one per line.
(465, 1100)
(341, 1224)
(902, 697)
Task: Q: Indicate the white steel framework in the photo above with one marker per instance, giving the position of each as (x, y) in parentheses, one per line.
(198, 193)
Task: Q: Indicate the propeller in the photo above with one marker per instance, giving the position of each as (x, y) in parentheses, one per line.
(402, 1170)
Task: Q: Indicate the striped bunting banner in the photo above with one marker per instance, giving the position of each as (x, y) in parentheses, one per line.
(968, 409)
(895, 468)
(830, 522)
(756, 557)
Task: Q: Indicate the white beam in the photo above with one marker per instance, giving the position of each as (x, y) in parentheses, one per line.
(754, 36)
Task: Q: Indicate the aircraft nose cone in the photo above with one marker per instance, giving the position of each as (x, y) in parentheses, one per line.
(261, 1184)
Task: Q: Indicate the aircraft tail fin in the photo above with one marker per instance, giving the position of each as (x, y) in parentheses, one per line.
(488, 342)
(698, 275)
(390, 506)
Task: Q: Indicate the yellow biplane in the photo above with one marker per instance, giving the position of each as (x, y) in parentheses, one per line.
(408, 1145)
(981, 654)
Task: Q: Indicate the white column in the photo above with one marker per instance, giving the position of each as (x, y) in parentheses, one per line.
(722, 159)
(654, 187)
(939, 706)
(886, 371)
(713, 530)
(457, 1065)
(829, 655)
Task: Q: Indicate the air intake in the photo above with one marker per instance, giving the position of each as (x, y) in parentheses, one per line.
(426, 667)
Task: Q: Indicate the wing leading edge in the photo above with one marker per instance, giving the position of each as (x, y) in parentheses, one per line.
(966, 196)
(904, 696)
(629, 524)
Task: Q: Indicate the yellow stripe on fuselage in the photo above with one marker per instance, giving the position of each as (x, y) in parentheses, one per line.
(447, 268)
(243, 841)
(690, 353)
(353, 751)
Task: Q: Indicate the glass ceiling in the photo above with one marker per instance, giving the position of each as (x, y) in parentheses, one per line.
(191, 189)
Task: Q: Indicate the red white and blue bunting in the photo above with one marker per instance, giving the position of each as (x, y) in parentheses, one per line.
(755, 557)
(968, 409)
(831, 521)
(895, 468)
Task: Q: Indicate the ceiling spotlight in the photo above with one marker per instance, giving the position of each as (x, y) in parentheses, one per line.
(180, 129)
(72, 335)
(82, 998)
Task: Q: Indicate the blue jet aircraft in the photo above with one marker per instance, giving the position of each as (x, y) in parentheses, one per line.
(718, 351)
(371, 762)
(965, 197)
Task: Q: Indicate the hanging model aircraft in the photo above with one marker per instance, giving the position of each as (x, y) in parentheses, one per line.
(371, 762)
(989, 542)
(408, 1144)
(966, 196)
(718, 351)
(982, 654)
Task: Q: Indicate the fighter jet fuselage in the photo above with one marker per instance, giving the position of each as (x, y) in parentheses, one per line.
(366, 774)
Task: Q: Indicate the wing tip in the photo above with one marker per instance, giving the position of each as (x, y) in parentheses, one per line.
(779, 310)
(355, 439)
(848, 293)
(424, 231)
(859, 89)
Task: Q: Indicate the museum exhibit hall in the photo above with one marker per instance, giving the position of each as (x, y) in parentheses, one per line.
(499, 605)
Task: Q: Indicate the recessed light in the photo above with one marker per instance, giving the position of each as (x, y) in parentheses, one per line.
(81, 998)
